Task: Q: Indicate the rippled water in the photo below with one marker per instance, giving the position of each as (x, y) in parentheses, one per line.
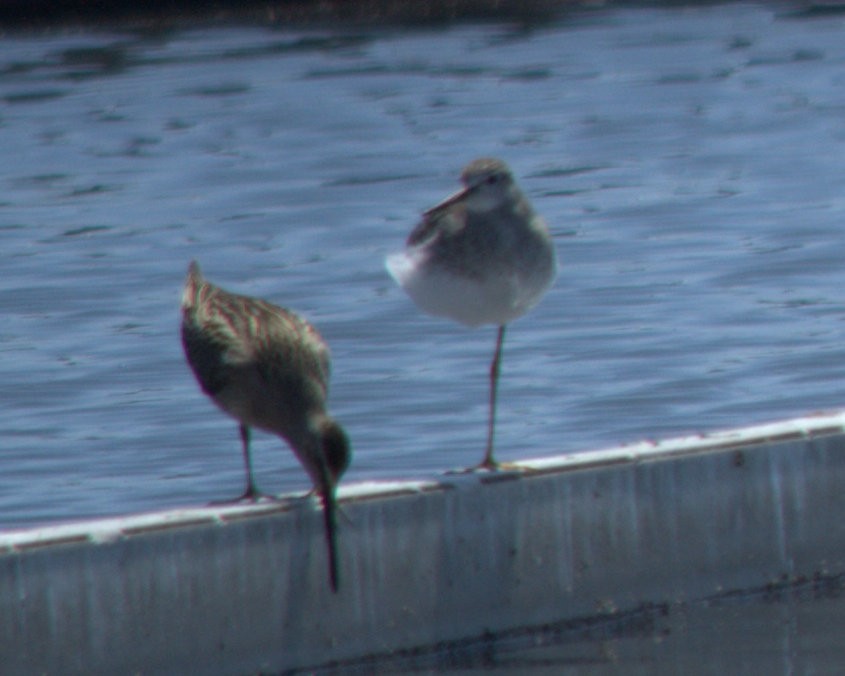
(688, 161)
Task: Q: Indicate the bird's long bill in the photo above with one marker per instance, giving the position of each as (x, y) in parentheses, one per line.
(448, 202)
(330, 520)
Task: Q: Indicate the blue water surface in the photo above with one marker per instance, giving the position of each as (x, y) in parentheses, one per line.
(689, 162)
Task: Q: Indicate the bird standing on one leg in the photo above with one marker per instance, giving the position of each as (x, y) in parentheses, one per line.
(482, 256)
(267, 368)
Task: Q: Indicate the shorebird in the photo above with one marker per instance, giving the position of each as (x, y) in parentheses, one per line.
(268, 368)
(481, 256)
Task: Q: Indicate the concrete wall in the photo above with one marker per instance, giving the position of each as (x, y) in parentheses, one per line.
(240, 590)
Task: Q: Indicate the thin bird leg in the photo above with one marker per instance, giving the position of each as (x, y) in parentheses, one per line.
(251, 493)
(489, 462)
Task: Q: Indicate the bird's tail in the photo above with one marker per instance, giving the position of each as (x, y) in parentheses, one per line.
(193, 283)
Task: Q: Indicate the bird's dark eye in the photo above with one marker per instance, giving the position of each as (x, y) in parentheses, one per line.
(492, 180)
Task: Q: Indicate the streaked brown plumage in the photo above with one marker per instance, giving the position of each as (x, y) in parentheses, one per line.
(267, 368)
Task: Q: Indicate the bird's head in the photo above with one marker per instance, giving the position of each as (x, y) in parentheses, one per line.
(335, 447)
(488, 184)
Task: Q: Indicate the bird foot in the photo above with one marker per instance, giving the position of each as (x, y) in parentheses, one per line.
(314, 493)
(252, 495)
(491, 466)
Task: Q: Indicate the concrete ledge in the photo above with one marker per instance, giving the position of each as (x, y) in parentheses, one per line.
(239, 590)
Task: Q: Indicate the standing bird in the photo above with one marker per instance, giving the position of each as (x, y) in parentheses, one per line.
(267, 368)
(482, 256)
